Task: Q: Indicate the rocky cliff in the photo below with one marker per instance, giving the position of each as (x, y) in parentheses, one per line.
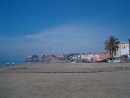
(49, 58)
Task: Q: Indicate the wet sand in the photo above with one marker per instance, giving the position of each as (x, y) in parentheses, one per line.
(68, 80)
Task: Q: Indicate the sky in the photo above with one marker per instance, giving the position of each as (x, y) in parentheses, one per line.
(29, 27)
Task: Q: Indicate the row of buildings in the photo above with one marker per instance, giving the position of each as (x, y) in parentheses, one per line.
(122, 51)
(89, 56)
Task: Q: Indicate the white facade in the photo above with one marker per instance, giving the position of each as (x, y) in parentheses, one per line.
(124, 51)
(90, 56)
(97, 56)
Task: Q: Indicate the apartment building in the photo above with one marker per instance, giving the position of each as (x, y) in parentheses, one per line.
(123, 49)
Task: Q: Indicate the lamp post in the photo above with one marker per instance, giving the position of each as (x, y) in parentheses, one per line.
(129, 47)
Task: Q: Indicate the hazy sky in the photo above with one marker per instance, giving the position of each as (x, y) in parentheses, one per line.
(30, 27)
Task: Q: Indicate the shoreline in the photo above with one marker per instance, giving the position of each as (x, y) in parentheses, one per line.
(66, 68)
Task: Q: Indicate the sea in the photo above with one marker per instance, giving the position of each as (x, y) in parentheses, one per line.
(10, 63)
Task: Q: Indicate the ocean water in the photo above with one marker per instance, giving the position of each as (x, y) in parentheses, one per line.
(10, 63)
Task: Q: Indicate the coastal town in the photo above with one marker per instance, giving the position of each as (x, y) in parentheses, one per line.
(121, 55)
(65, 57)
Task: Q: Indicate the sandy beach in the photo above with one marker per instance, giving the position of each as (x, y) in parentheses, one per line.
(66, 80)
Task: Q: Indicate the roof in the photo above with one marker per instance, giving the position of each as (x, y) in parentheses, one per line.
(105, 56)
(124, 43)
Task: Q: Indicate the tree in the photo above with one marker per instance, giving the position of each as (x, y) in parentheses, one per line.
(112, 45)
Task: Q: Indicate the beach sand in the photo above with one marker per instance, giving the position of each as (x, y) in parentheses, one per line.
(66, 80)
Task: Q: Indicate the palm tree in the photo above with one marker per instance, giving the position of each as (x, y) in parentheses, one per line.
(112, 45)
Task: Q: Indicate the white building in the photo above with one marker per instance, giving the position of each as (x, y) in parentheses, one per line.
(90, 56)
(97, 56)
(123, 49)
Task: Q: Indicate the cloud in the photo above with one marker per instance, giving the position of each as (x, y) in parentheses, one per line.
(66, 33)
(70, 38)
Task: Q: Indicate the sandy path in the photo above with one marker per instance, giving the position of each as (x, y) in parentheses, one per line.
(66, 81)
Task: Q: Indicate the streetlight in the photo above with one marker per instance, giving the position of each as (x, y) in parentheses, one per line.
(129, 46)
